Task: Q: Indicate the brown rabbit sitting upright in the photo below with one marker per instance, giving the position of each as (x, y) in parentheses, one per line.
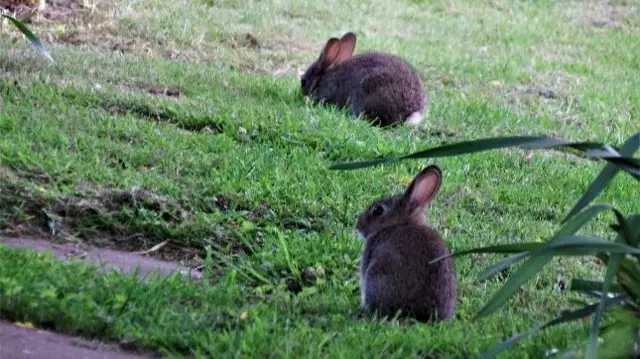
(395, 271)
(380, 86)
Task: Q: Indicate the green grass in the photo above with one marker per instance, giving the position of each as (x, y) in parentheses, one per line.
(240, 163)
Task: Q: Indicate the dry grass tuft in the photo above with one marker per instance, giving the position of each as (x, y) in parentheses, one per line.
(604, 14)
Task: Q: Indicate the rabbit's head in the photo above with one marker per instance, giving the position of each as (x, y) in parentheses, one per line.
(335, 52)
(406, 208)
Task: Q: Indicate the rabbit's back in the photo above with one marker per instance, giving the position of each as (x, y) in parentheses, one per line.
(396, 274)
(377, 85)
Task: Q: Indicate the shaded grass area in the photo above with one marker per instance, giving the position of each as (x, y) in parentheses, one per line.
(229, 157)
(230, 317)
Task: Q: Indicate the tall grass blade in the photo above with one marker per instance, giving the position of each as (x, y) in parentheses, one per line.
(593, 149)
(526, 271)
(569, 245)
(501, 248)
(612, 269)
(592, 285)
(569, 228)
(565, 317)
(35, 41)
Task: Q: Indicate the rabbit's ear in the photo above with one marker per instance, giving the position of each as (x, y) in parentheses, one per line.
(330, 53)
(347, 45)
(423, 189)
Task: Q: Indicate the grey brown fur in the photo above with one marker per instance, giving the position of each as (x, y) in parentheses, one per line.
(395, 272)
(382, 87)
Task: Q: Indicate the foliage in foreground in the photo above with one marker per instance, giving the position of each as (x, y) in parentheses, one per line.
(35, 41)
(618, 294)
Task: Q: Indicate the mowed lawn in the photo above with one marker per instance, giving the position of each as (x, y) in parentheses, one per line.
(165, 121)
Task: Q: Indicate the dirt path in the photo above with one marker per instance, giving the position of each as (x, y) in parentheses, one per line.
(26, 343)
(17, 342)
(125, 261)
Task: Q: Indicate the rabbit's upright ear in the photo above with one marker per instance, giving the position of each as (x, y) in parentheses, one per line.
(423, 189)
(347, 45)
(330, 53)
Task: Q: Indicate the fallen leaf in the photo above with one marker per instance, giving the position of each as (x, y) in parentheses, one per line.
(28, 325)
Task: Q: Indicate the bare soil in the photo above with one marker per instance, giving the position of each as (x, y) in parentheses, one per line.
(52, 10)
(607, 14)
(126, 262)
(17, 342)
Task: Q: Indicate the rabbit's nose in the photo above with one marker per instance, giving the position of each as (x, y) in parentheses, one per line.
(358, 233)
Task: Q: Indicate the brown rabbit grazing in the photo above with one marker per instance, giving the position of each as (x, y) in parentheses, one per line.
(395, 273)
(380, 86)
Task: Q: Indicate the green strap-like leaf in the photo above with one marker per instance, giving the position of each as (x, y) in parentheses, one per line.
(605, 176)
(448, 150)
(35, 41)
(610, 273)
(501, 265)
(624, 229)
(582, 245)
(509, 261)
(569, 245)
(542, 256)
(565, 317)
(526, 271)
(592, 344)
(629, 164)
(627, 274)
(578, 221)
(570, 227)
(501, 248)
(592, 285)
(596, 150)
(507, 343)
(632, 233)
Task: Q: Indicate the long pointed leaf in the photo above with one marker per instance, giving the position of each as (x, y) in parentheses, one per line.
(507, 343)
(509, 261)
(627, 274)
(582, 285)
(624, 229)
(633, 171)
(612, 269)
(633, 224)
(541, 256)
(501, 248)
(565, 317)
(630, 165)
(570, 227)
(501, 265)
(467, 147)
(590, 149)
(605, 176)
(486, 144)
(35, 41)
(592, 344)
(526, 271)
(583, 245)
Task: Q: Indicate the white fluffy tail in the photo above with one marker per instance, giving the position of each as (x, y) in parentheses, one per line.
(414, 119)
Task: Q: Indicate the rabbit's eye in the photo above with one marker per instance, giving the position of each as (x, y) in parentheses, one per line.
(303, 82)
(377, 211)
